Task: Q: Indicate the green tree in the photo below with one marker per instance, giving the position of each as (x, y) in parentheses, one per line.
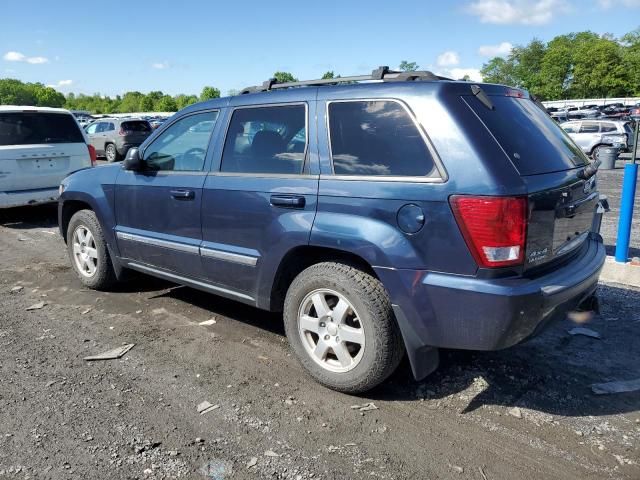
(408, 66)
(527, 62)
(631, 60)
(284, 77)
(498, 70)
(208, 93)
(146, 104)
(556, 68)
(185, 100)
(166, 104)
(131, 102)
(328, 75)
(14, 92)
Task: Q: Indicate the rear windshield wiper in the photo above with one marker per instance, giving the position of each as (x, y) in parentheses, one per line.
(589, 171)
(482, 96)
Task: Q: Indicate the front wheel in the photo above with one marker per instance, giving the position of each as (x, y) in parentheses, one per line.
(340, 323)
(88, 251)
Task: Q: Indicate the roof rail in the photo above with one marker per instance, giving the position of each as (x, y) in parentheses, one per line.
(383, 74)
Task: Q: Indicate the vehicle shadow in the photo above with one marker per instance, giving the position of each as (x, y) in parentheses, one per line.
(30, 217)
(551, 373)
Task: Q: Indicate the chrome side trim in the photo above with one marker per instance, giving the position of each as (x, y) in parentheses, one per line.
(159, 243)
(228, 256)
(186, 280)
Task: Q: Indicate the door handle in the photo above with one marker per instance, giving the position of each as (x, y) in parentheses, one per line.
(288, 201)
(183, 194)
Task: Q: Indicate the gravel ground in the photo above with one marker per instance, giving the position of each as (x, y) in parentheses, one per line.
(524, 413)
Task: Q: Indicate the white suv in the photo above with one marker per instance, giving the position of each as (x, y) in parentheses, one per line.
(38, 148)
(591, 135)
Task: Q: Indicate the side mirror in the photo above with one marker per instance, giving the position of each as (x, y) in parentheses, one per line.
(133, 161)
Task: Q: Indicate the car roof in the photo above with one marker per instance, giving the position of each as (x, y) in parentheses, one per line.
(28, 108)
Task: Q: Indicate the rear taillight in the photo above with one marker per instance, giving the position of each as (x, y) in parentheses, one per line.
(121, 132)
(495, 228)
(92, 155)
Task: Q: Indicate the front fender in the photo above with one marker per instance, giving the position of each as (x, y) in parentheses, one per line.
(96, 188)
(375, 241)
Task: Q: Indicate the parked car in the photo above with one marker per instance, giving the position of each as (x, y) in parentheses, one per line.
(113, 137)
(156, 122)
(379, 217)
(39, 147)
(591, 135)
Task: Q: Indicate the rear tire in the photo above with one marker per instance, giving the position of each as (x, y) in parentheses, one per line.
(356, 306)
(111, 153)
(88, 251)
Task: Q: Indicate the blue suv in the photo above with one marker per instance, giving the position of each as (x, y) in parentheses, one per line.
(383, 214)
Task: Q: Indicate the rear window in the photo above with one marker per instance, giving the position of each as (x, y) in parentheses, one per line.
(136, 126)
(532, 140)
(28, 128)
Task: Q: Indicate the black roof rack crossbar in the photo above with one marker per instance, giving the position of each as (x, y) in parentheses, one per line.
(379, 74)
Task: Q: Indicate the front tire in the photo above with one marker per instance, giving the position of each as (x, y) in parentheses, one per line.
(88, 251)
(340, 324)
(595, 153)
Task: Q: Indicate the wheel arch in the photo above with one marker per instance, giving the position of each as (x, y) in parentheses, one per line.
(299, 258)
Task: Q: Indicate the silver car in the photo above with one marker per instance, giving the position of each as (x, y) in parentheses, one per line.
(591, 135)
(113, 137)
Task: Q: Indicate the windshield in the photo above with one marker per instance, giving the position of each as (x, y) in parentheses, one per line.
(28, 128)
(532, 140)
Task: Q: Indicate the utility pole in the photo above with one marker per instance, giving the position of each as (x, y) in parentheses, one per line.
(627, 200)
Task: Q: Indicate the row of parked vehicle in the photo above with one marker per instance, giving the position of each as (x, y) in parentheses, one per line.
(613, 111)
(381, 218)
(593, 135)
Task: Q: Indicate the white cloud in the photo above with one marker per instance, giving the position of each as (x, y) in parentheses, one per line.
(62, 84)
(37, 60)
(499, 50)
(448, 59)
(459, 73)
(20, 57)
(606, 4)
(14, 57)
(525, 12)
(161, 65)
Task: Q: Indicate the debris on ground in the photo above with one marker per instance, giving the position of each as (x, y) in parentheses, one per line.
(217, 469)
(16, 289)
(253, 462)
(270, 453)
(484, 475)
(456, 468)
(211, 321)
(206, 407)
(84, 312)
(111, 354)
(587, 332)
(364, 408)
(36, 306)
(616, 387)
(515, 412)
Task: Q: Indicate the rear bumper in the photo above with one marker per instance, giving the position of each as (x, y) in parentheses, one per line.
(452, 311)
(20, 198)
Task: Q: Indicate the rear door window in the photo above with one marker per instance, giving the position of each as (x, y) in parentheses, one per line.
(608, 127)
(377, 138)
(534, 143)
(28, 128)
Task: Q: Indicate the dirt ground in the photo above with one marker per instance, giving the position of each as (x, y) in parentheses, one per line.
(523, 413)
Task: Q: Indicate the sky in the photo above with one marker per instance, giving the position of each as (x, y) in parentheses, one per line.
(180, 46)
